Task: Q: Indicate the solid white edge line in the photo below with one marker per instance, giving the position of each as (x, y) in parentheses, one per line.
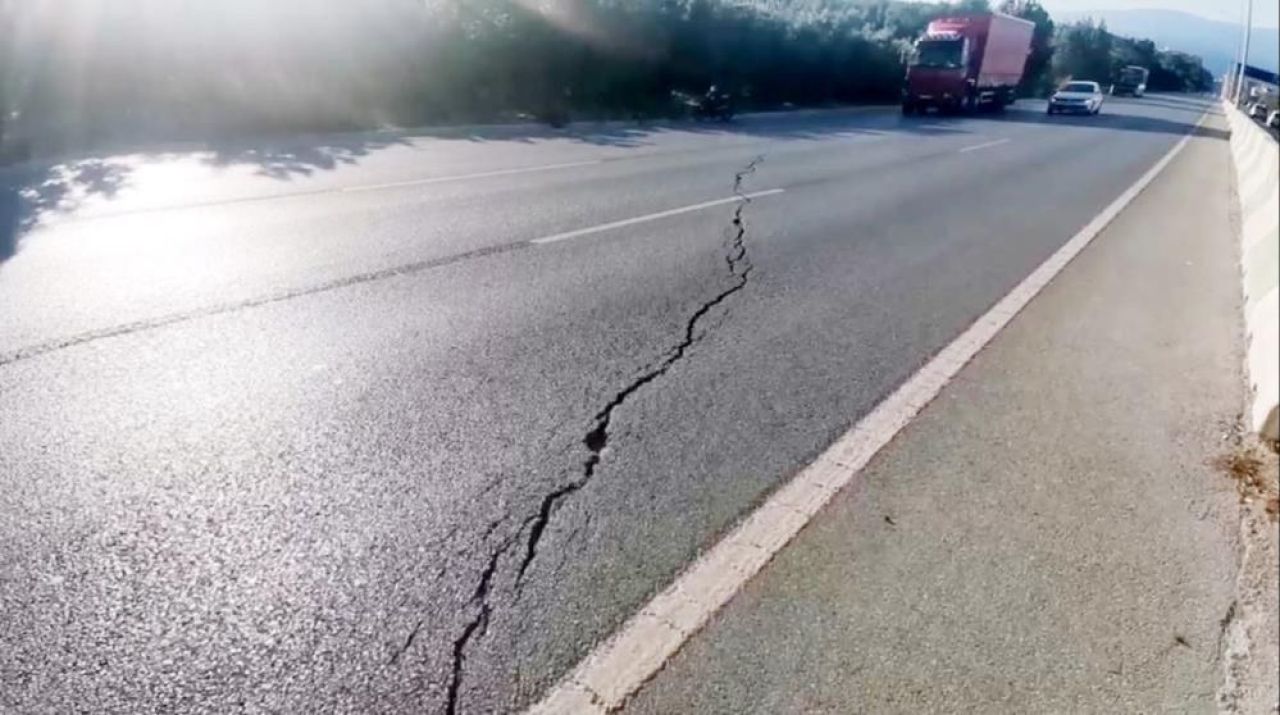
(464, 177)
(618, 667)
(986, 145)
(653, 216)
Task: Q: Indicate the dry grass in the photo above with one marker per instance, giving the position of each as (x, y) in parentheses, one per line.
(1254, 471)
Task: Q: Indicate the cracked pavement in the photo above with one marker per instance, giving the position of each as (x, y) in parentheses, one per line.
(374, 451)
(596, 440)
(1050, 534)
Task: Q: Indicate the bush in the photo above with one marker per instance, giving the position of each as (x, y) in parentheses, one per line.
(80, 72)
(155, 68)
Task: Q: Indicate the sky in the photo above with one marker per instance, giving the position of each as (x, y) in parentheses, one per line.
(1266, 13)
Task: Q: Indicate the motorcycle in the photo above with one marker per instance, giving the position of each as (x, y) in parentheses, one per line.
(712, 106)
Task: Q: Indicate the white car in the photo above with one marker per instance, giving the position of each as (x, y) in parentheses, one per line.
(1257, 110)
(1082, 97)
(1273, 119)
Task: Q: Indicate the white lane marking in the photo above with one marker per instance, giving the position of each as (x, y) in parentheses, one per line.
(464, 177)
(985, 145)
(616, 668)
(653, 217)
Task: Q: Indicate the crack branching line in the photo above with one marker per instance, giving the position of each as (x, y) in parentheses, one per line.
(1224, 628)
(597, 438)
(477, 625)
(408, 642)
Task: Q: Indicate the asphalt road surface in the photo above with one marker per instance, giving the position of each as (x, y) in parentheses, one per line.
(408, 422)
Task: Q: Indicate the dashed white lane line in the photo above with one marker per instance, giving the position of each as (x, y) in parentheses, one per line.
(464, 177)
(616, 668)
(652, 217)
(985, 145)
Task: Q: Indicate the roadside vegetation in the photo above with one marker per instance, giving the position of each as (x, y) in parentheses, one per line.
(82, 73)
(1086, 50)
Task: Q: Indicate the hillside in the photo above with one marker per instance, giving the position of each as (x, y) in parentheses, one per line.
(1215, 42)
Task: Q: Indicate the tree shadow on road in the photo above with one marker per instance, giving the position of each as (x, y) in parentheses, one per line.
(34, 192)
(1114, 121)
(801, 125)
(298, 157)
(883, 121)
(1184, 104)
(30, 193)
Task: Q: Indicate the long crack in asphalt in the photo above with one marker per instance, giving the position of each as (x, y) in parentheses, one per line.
(596, 441)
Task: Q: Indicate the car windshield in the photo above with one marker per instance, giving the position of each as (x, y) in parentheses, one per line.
(939, 53)
(1086, 87)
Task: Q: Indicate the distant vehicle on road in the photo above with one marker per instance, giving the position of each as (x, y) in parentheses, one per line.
(1131, 80)
(1257, 110)
(715, 104)
(1078, 97)
(966, 63)
(1273, 119)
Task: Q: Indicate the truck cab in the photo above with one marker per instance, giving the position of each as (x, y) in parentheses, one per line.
(938, 71)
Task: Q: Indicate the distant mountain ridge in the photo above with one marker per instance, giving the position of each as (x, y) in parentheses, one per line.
(1216, 43)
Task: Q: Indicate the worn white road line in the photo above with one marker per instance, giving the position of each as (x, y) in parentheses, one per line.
(652, 217)
(617, 668)
(985, 145)
(464, 177)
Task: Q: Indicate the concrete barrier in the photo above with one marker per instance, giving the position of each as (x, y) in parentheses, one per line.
(1257, 160)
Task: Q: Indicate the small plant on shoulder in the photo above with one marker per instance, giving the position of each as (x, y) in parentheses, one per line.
(1253, 469)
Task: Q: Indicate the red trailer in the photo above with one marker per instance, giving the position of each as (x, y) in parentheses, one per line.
(963, 63)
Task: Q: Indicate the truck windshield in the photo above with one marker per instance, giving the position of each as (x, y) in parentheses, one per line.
(939, 53)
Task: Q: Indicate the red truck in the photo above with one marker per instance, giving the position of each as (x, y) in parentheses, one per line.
(968, 62)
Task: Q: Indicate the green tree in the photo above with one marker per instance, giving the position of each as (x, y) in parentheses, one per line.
(1181, 72)
(370, 62)
(8, 71)
(1083, 52)
(1087, 51)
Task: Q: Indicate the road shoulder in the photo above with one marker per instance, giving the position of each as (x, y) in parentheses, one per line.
(1031, 543)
